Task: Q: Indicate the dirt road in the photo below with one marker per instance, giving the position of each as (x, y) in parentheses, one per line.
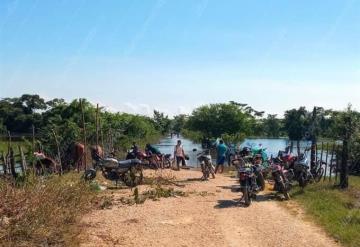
(202, 219)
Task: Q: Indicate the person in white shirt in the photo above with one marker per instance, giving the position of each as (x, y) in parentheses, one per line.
(179, 154)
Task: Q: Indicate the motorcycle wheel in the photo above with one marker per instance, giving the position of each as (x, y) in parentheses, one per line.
(90, 175)
(303, 180)
(212, 171)
(284, 190)
(261, 181)
(246, 196)
(168, 164)
(206, 173)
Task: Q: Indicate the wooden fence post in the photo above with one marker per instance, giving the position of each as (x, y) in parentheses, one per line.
(97, 124)
(33, 138)
(9, 141)
(23, 161)
(33, 149)
(101, 135)
(84, 133)
(331, 161)
(337, 162)
(322, 152)
(5, 163)
(326, 160)
(12, 163)
(58, 150)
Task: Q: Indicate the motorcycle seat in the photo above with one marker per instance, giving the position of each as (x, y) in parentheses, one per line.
(129, 163)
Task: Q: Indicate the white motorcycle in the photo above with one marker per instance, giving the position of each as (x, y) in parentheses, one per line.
(207, 167)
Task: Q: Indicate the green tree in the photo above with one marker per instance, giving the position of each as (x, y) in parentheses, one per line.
(216, 120)
(162, 122)
(347, 128)
(296, 124)
(178, 123)
(19, 114)
(272, 126)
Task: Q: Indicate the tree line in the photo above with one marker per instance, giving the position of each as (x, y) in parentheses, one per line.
(237, 121)
(21, 115)
(234, 121)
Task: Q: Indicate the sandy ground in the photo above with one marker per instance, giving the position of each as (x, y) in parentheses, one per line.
(215, 219)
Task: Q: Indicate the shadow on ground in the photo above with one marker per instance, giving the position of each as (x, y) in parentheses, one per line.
(222, 204)
(191, 180)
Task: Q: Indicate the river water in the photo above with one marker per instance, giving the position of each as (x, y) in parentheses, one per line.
(272, 146)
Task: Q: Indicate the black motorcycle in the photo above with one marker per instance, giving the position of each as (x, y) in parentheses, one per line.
(300, 170)
(130, 172)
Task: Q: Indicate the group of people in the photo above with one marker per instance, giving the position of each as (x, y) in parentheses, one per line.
(181, 157)
(221, 148)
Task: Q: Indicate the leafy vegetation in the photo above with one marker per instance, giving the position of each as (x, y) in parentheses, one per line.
(42, 212)
(232, 120)
(338, 211)
(64, 120)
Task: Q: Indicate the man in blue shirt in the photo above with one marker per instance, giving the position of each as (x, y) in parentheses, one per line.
(221, 156)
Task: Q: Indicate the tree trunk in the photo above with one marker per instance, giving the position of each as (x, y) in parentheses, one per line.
(298, 147)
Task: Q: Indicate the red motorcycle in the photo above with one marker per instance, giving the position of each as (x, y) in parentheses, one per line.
(281, 177)
(287, 159)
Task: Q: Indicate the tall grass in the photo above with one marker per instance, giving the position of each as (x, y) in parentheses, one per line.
(42, 211)
(338, 211)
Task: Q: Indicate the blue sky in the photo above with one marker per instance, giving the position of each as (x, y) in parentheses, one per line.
(172, 55)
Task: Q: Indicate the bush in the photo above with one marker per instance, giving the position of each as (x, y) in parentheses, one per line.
(41, 211)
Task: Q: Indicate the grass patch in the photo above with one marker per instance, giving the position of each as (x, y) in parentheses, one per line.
(43, 211)
(338, 211)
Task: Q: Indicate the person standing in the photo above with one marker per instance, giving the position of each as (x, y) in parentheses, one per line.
(221, 156)
(179, 155)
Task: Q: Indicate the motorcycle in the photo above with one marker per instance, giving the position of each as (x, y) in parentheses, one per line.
(280, 176)
(207, 167)
(152, 161)
(287, 159)
(258, 158)
(167, 161)
(300, 169)
(133, 154)
(247, 180)
(130, 172)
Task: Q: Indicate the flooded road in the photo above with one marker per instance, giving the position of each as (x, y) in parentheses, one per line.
(166, 146)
